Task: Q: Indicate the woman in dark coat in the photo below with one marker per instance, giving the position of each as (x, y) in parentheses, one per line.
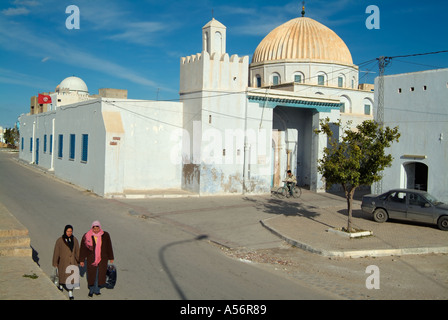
(66, 253)
(96, 247)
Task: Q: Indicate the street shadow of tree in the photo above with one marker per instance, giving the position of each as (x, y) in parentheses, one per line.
(356, 213)
(286, 207)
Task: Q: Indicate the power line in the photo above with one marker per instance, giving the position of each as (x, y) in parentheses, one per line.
(365, 63)
(418, 54)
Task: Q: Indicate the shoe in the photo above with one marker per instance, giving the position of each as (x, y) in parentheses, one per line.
(71, 298)
(90, 295)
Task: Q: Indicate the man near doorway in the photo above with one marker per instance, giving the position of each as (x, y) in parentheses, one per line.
(291, 181)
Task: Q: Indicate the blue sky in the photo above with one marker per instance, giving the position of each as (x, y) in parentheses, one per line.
(137, 45)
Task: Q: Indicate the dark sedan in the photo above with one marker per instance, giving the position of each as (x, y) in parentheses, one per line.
(406, 204)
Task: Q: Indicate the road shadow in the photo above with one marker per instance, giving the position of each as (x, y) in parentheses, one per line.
(287, 207)
(35, 255)
(356, 213)
(165, 266)
(359, 193)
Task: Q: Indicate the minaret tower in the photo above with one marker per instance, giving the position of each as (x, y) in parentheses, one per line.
(214, 37)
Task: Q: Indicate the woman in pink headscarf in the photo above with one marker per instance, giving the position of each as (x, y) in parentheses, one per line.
(96, 247)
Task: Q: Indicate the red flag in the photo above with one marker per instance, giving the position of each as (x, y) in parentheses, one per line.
(43, 99)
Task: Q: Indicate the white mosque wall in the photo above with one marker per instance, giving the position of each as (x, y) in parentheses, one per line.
(235, 147)
(217, 158)
(131, 144)
(151, 157)
(417, 104)
(77, 119)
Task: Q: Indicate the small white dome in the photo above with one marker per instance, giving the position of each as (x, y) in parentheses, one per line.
(74, 84)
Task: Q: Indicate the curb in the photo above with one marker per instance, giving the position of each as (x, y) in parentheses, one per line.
(356, 253)
(153, 196)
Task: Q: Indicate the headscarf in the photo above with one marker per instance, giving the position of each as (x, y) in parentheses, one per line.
(89, 241)
(68, 240)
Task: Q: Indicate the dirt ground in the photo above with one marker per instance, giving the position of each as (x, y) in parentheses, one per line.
(410, 277)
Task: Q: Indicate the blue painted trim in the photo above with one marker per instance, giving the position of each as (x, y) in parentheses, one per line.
(294, 103)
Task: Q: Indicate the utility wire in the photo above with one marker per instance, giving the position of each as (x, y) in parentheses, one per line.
(365, 63)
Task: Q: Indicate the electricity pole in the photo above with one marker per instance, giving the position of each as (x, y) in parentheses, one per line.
(382, 64)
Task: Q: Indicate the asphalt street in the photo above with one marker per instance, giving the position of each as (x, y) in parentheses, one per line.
(176, 246)
(155, 258)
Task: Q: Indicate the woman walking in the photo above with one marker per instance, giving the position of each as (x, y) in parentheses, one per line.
(66, 253)
(96, 247)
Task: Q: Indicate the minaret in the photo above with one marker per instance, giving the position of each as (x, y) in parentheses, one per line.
(214, 37)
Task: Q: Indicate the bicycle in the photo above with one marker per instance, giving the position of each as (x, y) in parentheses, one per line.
(283, 192)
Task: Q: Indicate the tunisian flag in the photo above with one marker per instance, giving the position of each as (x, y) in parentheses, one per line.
(43, 99)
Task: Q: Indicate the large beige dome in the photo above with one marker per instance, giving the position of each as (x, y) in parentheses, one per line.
(303, 40)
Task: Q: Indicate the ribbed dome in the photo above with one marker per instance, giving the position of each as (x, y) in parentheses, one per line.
(303, 39)
(74, 84)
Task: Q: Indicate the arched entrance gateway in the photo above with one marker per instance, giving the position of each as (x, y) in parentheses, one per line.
(294, 145)
(415, 176)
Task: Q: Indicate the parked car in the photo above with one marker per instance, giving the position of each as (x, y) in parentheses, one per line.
(406, 204)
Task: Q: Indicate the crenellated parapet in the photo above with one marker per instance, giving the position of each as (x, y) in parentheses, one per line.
(203, 71)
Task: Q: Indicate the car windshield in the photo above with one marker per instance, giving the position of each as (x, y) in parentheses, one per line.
(432, 199)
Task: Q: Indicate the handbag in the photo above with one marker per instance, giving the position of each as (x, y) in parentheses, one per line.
(111, 276)
(55, 277)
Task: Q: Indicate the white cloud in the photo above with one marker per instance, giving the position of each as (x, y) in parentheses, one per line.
(30, 3)
(25, 41)
(25, 80)
(21, 8)
(15, 11)
(139, 32)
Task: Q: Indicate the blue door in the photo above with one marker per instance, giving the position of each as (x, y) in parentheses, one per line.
(37, 151)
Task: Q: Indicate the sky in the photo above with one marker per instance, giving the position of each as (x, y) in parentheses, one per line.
(137, 44)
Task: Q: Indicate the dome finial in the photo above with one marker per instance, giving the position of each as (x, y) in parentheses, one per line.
(303, 8)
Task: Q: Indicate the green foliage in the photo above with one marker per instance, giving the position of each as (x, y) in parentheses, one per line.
(11, 136)
(357, 158)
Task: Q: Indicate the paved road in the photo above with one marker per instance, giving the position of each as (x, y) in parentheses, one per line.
(156, 259)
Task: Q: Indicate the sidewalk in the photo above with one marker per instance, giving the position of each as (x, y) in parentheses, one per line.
(307, 227)
(20, 277)
(305, 223)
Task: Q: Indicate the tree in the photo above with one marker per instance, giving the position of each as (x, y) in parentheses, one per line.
(357, 158)
(11, 136)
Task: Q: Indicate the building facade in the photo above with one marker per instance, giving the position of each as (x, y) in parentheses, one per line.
(417, 104)
(237, 128)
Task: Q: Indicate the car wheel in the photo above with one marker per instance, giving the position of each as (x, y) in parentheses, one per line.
(443, 223)
(380, 215)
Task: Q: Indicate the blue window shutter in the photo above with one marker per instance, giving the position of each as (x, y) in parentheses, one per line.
(72, 146)
(85, 147)
(60, 145)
